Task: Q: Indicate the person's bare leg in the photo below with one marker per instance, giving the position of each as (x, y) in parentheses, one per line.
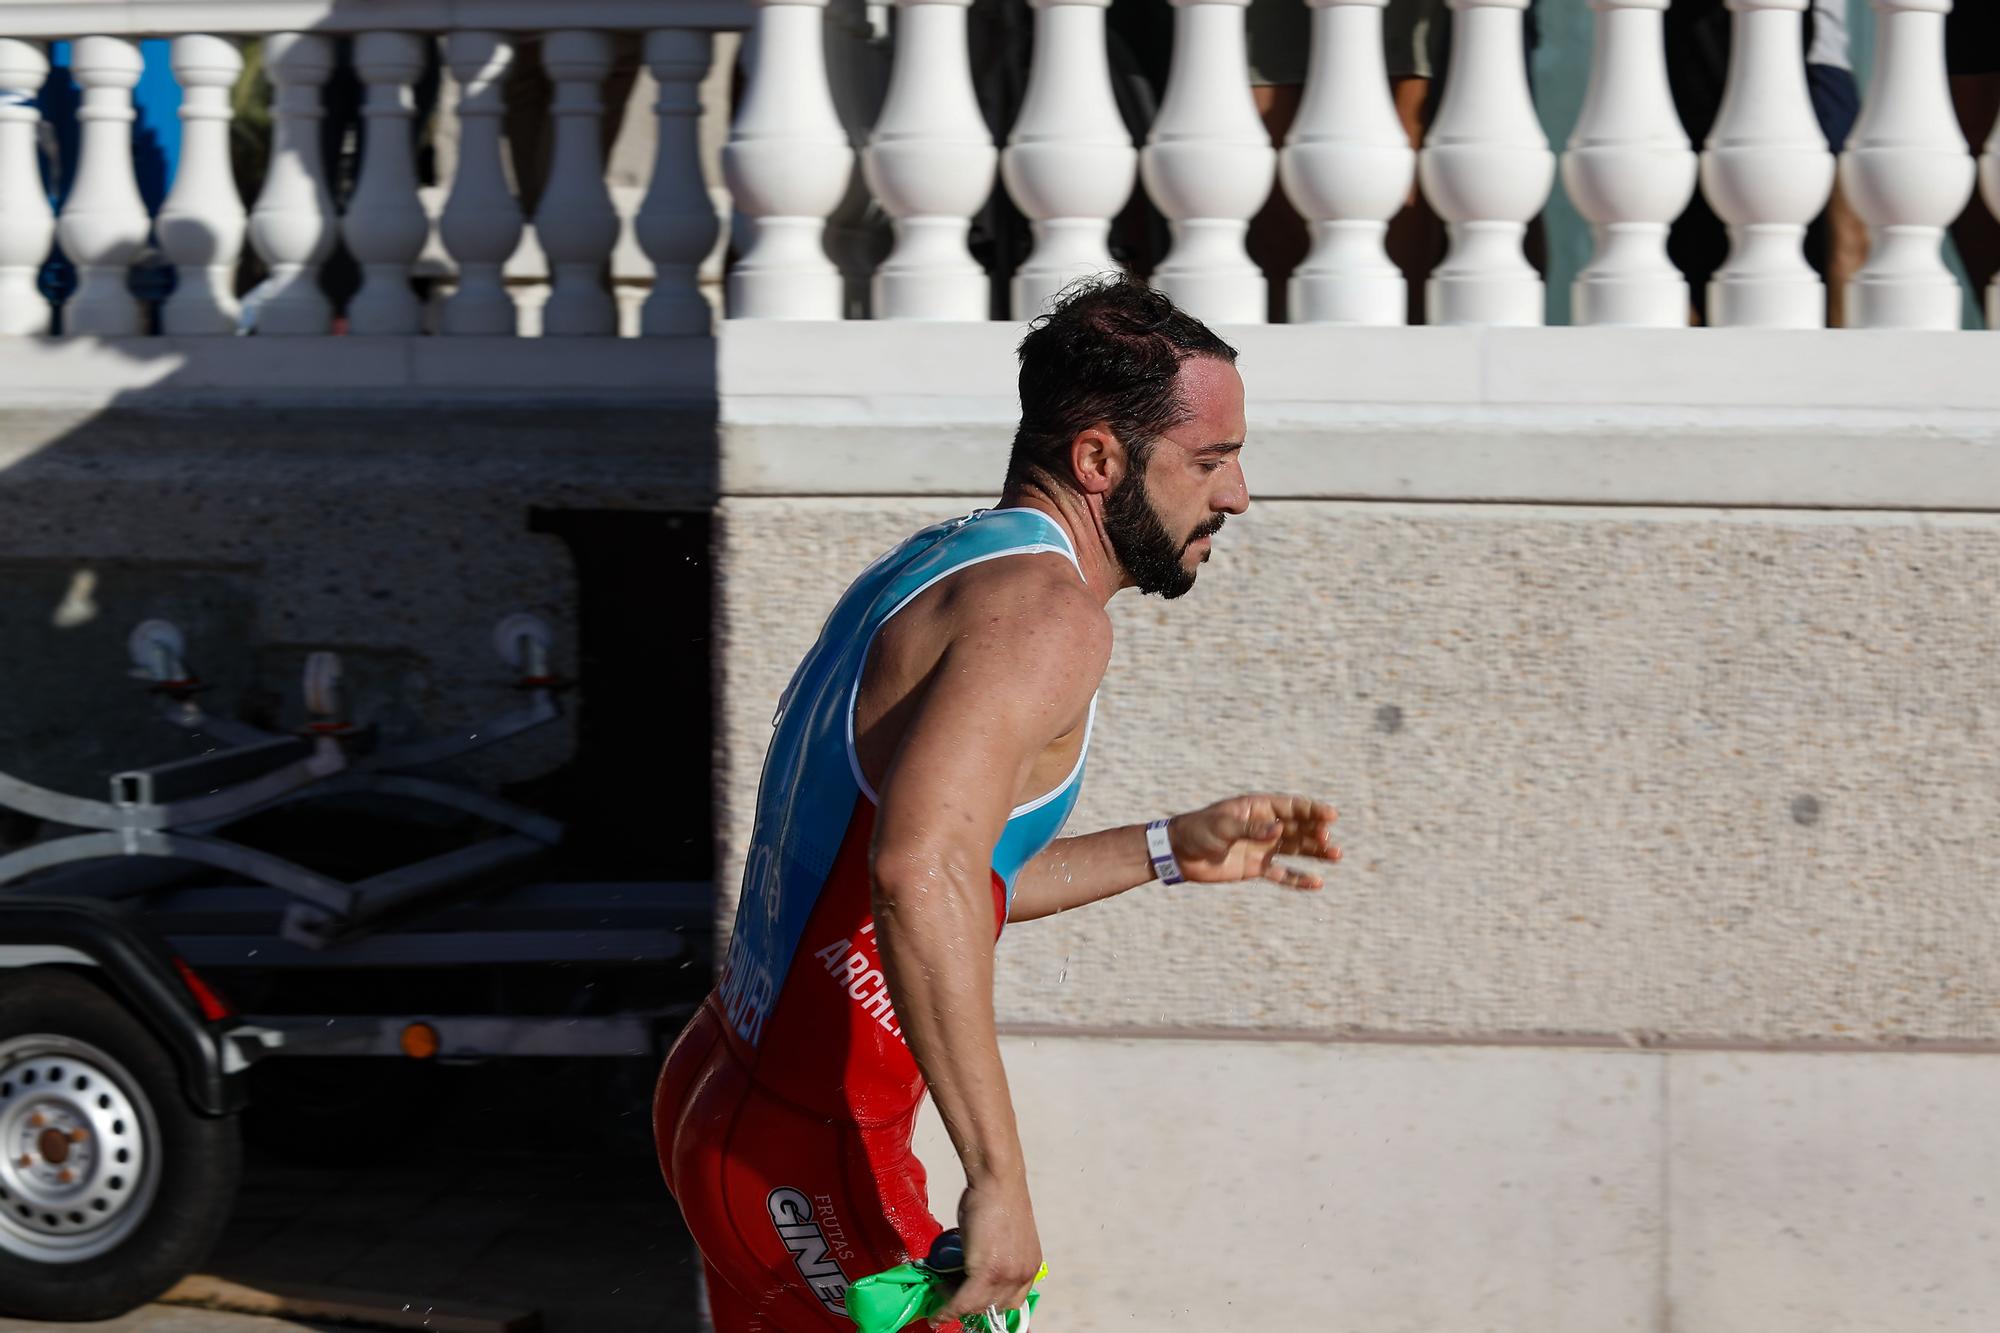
(1277, 239)
(1846, 252)
(1977, 100)
(1415, 236)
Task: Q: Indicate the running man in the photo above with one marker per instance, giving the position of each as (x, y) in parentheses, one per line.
(927, 752)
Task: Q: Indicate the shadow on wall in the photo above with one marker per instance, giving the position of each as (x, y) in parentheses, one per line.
(269, 510)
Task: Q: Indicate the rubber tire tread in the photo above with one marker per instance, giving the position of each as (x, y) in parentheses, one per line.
(201, 1162)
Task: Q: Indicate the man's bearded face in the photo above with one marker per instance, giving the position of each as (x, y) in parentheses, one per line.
(1150, 552)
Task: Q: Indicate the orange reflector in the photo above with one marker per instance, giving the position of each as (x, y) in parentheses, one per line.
(420, 1041)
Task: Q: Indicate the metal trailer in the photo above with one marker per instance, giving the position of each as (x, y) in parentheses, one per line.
(461, 954)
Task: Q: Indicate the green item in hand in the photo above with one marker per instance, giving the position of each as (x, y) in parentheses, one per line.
(889, 1302)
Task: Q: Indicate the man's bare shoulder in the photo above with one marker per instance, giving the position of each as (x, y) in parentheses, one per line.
(1030, 608)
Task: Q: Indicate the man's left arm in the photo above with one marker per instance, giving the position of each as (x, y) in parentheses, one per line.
(1236, 839)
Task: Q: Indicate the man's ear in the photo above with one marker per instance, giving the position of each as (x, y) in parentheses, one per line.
(1097, 459)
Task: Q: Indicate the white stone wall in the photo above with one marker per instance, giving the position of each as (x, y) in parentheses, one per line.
(1602, 771)
(1303, 1187)
(1654, 676)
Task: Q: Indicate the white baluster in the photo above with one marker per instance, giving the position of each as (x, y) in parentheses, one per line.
(201, 223)
(1208, 165)
(1908, 172)
(676, 222)
(1767, 172)
(575, 221)
(930, 163)
(1989, 182)
(104, 224)
(385, 225)
(1631, 171)
(1487, 171)
(1347, 165)
(292, 222)
(482, 224)
(1069, 162)
(787, 164)
(27, 223)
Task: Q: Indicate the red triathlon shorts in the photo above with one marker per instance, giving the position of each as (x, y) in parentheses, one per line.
(787, 1206)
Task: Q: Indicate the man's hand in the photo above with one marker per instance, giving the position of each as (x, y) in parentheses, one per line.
(1003, 1253)
(1238, 838)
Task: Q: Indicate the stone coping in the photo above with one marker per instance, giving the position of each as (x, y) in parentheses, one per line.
(1707, 418)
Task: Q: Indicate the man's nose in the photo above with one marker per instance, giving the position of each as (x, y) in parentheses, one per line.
(1236, 498)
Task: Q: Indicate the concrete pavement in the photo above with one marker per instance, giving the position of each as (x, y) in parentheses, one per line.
(510, 1191)
(166, 1319)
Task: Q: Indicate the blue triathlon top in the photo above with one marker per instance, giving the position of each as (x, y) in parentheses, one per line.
(807, 863)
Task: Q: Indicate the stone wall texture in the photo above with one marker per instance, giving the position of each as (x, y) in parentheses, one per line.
(1691, 774)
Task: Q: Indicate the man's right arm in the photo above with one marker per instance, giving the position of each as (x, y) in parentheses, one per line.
(1006, 687)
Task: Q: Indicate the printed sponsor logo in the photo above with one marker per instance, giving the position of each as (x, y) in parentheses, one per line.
(792, 1214)
(856, 973)
(747, 991)
(836, 1234)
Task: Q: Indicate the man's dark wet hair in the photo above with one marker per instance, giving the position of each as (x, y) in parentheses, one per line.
(1108, 350)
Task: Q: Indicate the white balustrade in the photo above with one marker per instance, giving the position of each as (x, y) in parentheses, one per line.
(1767, 173)
(201, 224)
(1346, 166)
(104, 224)
(676, 223)
(27, 223)
(1630, 171)
(575, 221)
(930, 163)
(1070, 163)
(787, 164)
(385, 226)
(1989, 189)
(292, 222)
(1209, 166)
(1908, 173)
(1487, 170)
(481, 225)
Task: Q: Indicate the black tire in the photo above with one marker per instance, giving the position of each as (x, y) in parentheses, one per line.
(191, 1167)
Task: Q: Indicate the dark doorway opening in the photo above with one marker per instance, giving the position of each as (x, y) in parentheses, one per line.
(637, 792)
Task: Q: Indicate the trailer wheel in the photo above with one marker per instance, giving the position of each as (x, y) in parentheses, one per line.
(112, 1187)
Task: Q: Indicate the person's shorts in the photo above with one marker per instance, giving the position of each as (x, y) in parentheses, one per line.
(787, 1207)
(1836, 102)
(1972, 38)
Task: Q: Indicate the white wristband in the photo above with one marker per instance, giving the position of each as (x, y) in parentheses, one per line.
(1158, 846)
